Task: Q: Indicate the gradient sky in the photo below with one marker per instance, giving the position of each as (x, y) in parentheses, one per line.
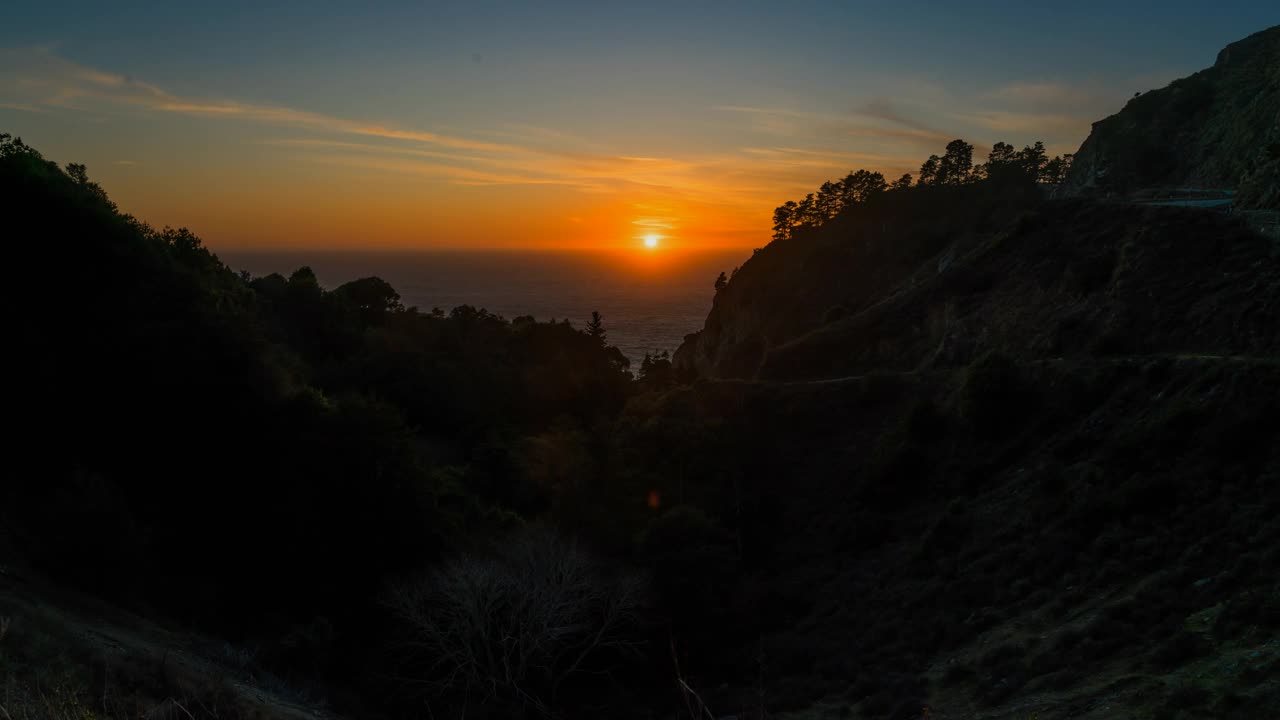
(557, 124)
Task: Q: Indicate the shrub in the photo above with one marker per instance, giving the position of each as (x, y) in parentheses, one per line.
(511, 629)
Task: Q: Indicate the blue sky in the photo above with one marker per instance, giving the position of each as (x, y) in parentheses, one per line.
(585, 119)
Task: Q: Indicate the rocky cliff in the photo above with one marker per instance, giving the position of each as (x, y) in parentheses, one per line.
(1218, 129)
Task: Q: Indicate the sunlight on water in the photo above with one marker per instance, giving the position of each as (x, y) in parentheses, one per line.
(650, 300)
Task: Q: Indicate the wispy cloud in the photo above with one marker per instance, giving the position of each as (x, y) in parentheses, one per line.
(871, 121)
(1048, 124)
(52, 81)
(1043, 94)
(768, 153)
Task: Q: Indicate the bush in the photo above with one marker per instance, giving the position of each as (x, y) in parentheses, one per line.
(509, 630)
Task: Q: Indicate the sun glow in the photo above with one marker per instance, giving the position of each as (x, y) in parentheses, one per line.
(651, 241)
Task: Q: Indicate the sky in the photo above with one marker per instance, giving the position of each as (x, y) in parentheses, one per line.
(398, 125)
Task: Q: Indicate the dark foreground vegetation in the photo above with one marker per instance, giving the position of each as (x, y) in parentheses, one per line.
(947, 448)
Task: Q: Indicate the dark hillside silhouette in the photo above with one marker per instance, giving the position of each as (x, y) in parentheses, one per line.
(259, 454)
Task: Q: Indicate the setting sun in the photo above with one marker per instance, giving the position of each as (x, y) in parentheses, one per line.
(651, 241)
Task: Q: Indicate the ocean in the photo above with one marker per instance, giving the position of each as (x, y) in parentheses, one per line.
(649, 300)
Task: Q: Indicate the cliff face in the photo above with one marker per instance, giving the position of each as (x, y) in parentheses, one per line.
(1217, 129)
(1068, 278)
(909, 281)
(850, 264)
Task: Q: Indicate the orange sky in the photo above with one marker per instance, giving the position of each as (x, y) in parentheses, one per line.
(580, 128)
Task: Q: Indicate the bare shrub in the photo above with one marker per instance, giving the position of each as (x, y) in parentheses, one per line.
(513, 627)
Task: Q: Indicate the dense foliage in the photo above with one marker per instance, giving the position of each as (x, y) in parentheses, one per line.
(1004, 167)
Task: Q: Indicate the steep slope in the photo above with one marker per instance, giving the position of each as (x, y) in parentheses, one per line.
(1219, 128)
(854, 261)
(1037, 474)
(64, 655)
(1069, 280)
(1089, 537)
(995, 456)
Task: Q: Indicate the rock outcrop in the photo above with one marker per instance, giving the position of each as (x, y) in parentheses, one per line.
(1217, 129)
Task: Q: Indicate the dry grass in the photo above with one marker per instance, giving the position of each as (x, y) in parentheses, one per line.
(59, 665)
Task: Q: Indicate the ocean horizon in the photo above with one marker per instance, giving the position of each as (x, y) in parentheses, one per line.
(649, 301)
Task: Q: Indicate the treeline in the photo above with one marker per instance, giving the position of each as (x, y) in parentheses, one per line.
(1004, 165)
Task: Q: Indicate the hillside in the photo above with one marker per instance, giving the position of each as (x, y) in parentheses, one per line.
(268, 464)
(1003, 456)
(1217, 129)
(1035, 476)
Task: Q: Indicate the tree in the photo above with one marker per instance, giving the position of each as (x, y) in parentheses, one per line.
(1055, 170)
(595, 327)
(830, 200)
(304, 277)
(372, 297)
(1001, 153)
(721, 282)
(80, 174)
(861, 186)
(512, 629)
(1004, 164)
(807, 215)
(956, 166)
(785, 218)
(1032, 159)
(902, 183)
(929, 170)
(656, 371)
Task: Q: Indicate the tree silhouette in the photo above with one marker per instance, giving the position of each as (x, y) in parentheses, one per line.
(595, 327)
(785, 218)
(1033, 159)
(1055, 170)
(721, 282)
(656, 371)
(373, 297)
(929, 170)
(956, 166)
(862, 186)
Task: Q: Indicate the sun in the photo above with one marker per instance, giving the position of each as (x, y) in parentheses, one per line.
(651, 241)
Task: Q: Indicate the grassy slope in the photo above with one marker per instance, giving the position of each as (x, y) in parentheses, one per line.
(65, 656)
(1108, 548)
